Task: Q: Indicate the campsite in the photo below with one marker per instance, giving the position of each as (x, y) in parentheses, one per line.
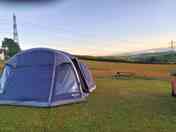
(130, 104)
(87, 66)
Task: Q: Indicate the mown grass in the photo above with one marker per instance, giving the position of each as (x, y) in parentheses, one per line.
(130, 105)
(117, 105)
(103, 69)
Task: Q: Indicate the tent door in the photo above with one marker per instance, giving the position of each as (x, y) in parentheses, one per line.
(65, 85)
(83, 81)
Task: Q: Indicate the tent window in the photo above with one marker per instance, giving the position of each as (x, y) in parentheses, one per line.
(65, 80)
(3, 80)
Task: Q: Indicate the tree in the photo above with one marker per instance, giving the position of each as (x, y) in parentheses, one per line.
(12, 47)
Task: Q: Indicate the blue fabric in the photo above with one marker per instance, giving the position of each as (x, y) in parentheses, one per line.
(28, 83)
(39, 56)
(32, 58)
(34, 76)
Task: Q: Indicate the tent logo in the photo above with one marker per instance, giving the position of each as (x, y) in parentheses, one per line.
(75, 94)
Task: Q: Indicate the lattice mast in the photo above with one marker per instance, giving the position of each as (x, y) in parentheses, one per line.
(15, 32)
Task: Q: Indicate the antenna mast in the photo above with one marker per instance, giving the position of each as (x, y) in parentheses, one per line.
(15, 32)
(172, 44)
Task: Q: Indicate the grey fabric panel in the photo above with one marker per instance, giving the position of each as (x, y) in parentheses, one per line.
(62, 58)
(65, 80)
(63, 102)
(40, 104)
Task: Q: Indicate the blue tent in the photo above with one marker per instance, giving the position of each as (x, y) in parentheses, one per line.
(44, 77)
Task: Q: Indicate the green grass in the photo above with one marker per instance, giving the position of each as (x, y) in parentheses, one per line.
(132, 105)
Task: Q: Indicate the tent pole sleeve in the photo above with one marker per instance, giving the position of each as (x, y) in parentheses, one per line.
(53, 80)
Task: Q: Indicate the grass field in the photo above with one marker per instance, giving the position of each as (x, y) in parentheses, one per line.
(102, 69)
(123, 105)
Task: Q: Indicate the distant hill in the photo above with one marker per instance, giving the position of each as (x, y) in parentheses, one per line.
(153, 56)
(104, 58)
(156, 50)
(158, 57)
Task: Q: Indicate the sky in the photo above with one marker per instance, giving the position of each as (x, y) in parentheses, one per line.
(91, 27)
